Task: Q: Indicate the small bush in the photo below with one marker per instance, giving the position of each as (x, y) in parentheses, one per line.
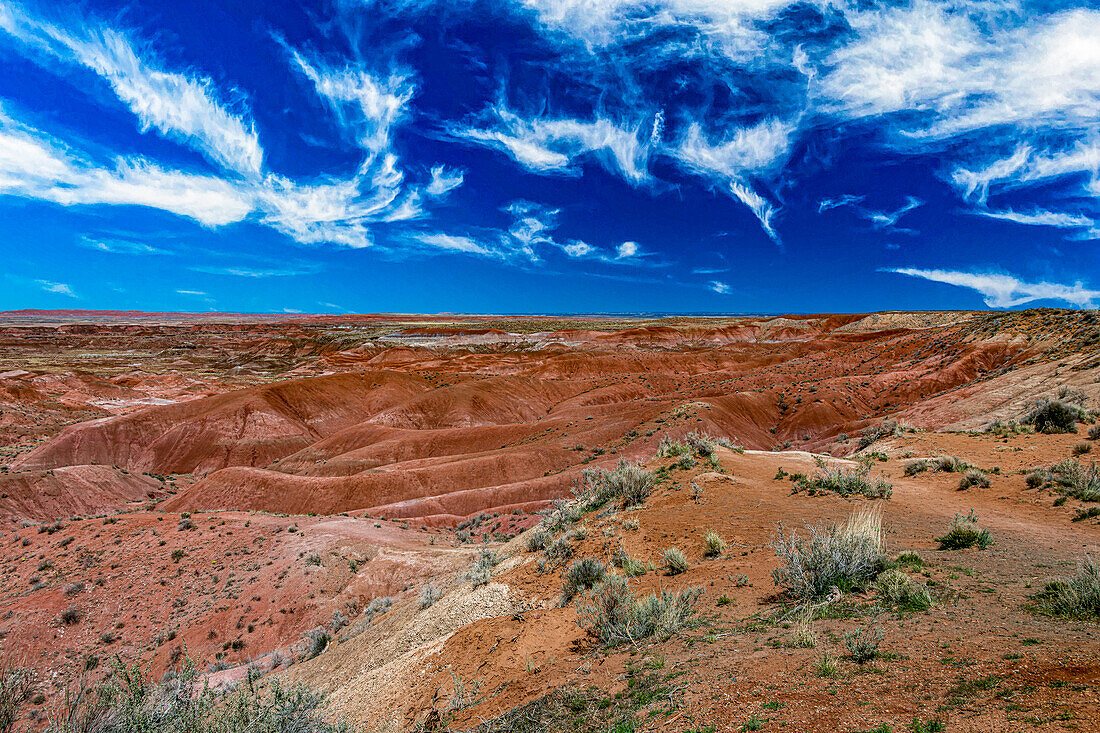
(482, 570)
(628, 483)
(669, 448)
(895, 588)
(847, 482)
(626, 563)
(675, 561)
(613, 614)
(537, 540)
(973, 478)
(429, 594)
(847, 557)
(1081, 449)
(1077, 596)
(701, 443)
(558, 550)
(868, 436)
(964, 532)
(862, 644)
(1094, 432)
(826, 666)
(713, 545)
(581, 575)
(1077, 480)
(73, 589)
(71, 615)
(315, 641)
(1055, 416)
(1037, 477)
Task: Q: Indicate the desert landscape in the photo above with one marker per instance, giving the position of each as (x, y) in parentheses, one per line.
(864, 522)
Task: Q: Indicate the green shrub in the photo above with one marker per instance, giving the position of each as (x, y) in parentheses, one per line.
(862, 644)
(1079, 481)
(429, 594)
(537, 540)
(127, 701)
(1055, 416)
(582, 574)
(847, 482)
(628, 483)
(847, 557)
(973, 477)
(669, 448)
(613, 614)
(964, 532)
(1076, 597)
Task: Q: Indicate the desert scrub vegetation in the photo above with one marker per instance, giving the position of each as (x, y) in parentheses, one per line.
(886, 429)
(1094, 432)
(614, 615)
(898, 590)
(846, 482)
(626, 563)
(945, 464)
(847, 557)
(713, 545)
(1058, 415)
(581, 575)
(1077, 480)
(863, 643)
(1077, 596)
(674, 561)
(628, 483)
(964, 532)
(974, 478)
(429, 594)
(482, 570)
(127, 700)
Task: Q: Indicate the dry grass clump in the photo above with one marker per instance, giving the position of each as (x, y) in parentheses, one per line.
(897, 589)
(669, 448)
(1076, 597)
(847, 557)
(628, 483)
(848, 481)
(964, 532)
(537, 540)
(713, 545)
(1079, 481)
(1081, 449)
(582, 574)
(614, 615)
(974, 478)
(675, 561)
(1094, 432)
(626, 563)
(944, 464)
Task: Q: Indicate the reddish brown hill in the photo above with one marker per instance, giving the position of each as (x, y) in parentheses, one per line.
(248, 427)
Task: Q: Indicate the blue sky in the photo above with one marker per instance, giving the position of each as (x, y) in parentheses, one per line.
(549, 155)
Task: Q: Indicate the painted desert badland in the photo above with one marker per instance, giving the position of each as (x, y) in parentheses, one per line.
(447, 523)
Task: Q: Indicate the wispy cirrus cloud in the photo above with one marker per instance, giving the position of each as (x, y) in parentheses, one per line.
(180, 106)
(555, 145)
(1007, 291)
(33, 165)
(56, 288)
(879, 219)
(719, 287)
(444, 180)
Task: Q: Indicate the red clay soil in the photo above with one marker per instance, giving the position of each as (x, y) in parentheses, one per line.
(147, 468)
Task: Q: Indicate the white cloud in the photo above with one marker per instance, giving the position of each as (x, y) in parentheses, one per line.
(120, 246)
(1007, 291)
(1040, 217)
(627, 249)
(719, 287)
(367, 105)
(553, 145)
(748, 151)
(577, 249)
(179, 106)
(58, 288)
(760, 207)
(444, 180)
(34, 166)
(845, 200)
(455, 244)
